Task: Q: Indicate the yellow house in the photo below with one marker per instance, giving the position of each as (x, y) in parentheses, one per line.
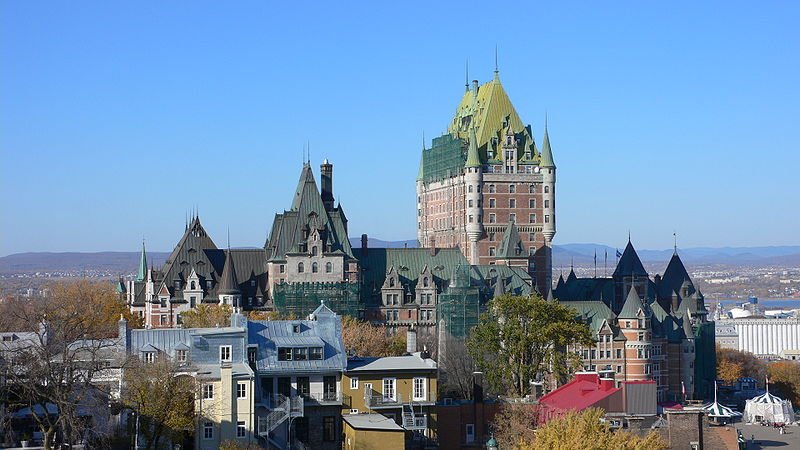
(400, 388)
(372, 431)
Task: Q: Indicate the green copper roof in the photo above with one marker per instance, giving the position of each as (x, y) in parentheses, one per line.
(593, 313)
(547, 153)
(473, 158)
(511, 245)
(630, 310)
(141, 274)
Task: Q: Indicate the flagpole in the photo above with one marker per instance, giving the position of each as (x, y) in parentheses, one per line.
(605, 263)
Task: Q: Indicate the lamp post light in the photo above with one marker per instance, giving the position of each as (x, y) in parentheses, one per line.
(491, 444)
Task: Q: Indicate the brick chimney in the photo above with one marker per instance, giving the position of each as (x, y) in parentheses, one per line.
(364, 244)
(433, 245)
(326, 182)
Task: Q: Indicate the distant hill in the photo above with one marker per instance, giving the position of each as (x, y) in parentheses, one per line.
(563, 256)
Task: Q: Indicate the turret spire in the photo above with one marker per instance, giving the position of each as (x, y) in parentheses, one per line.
(466, 77)
(142, 273)
(547, 153)
(473, 158)
(496, 69)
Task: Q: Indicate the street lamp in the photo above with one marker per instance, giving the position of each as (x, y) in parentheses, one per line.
(491, 444)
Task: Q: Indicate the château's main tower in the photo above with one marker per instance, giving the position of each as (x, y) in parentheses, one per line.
(481, 176)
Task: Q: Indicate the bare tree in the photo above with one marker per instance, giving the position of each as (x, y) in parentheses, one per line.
(456, 369)
(50, 373)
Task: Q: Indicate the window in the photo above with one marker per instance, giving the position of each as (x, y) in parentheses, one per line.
(224, 353)
(300, 354)
(208, 284)
(193, 285)
(492, 203)
(329, 428)
(303, 387)
(328, 267)
(208, 430)
(149, 357)
(282, 268)
(469, 203)
(492, 218)
(353, 411)
(316, 354)
(314, 251)
(491, 189)
(546, 219)
(314, 267)
(547, 189)
(192, 301)
(470, 438)
(532, 190)
(354, 383)
(512, 218)
(241, 390)
(241, 430)
(208, 391)
(471, 219)
(532, 219)
(641, 336)
(532, 203)
(180, 355)
(547, 203)
(492, 251)
(619, 369)
(491, 237)
(301, 268)
(389, 392)
(420, 389)
(512, 203)
(512, 189)
(619, 353)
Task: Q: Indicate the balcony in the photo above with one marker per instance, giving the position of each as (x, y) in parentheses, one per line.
(327, 398)
(375, 400)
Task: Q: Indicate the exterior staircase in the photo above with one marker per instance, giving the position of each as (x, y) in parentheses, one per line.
(281, 408)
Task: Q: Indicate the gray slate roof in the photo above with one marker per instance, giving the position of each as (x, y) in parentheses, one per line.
(371, 422)
(413, 362)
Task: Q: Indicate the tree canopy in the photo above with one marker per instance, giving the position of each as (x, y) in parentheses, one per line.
(584, 430)
(365, 339)
(519, 338)
(784, 377)
(734, 364)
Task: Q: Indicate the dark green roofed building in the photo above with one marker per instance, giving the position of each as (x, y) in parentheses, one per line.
(646, 329)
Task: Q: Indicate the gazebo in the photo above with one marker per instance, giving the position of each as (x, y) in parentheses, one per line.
(768, 408)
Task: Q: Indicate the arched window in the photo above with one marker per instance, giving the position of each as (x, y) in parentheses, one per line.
(532, 189)
(301, 268)
(425, 282)
(491, 189)
(193, 285)
(512, 189)
(547, 189)
(314, 268)
(314, 251)
(328, 267)
(391, 282)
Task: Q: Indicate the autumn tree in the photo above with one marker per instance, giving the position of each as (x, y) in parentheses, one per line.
(520, 337)
(784, 377)
(162, 397)
(585, 429)
(207, 316)
(365, 339)
(514, 425)
(732, 362)
(73, 342)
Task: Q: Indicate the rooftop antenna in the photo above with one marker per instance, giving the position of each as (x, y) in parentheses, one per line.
(675, 242)
(308, 145)
(496, 70)
(466, 77)
(229, 237)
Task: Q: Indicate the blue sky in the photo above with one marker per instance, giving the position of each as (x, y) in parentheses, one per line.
(115, 120)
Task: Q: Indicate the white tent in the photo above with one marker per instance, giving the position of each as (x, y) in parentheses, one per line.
(768, 408)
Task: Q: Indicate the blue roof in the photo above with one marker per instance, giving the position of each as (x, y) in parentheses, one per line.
(324, 331)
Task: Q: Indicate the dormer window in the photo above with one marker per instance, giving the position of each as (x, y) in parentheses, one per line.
(314, 251)
(181, 356)
(149, 357)
(252, 283)
(208, 284)
(296, 328)
(425, 282)
(177, 285)
(224, 353)
(194, 286)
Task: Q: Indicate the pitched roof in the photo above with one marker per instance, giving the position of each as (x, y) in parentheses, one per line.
(511, 244)
(594, 313)
(674, 277)
(629, 264)
(473, 158)
(308, 210)
(580, 393)
(409, 264)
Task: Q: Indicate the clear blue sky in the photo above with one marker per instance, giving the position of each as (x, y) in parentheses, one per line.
(116, 119)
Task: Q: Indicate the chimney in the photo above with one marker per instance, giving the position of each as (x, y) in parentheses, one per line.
(477, 387)
(124, 332)
(364, 245)
(433, 245)
(474, 87)
(411, 340)
(326, 178)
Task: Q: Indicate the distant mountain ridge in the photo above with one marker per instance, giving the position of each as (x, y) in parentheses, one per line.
(563, 256)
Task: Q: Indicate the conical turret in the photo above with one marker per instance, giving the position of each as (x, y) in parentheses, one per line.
(547, 153)
(473, 158)
(228, 284)
(141, 274)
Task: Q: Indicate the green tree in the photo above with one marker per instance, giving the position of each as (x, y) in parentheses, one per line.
(520, 337)
(162, 397)
(584, 430)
